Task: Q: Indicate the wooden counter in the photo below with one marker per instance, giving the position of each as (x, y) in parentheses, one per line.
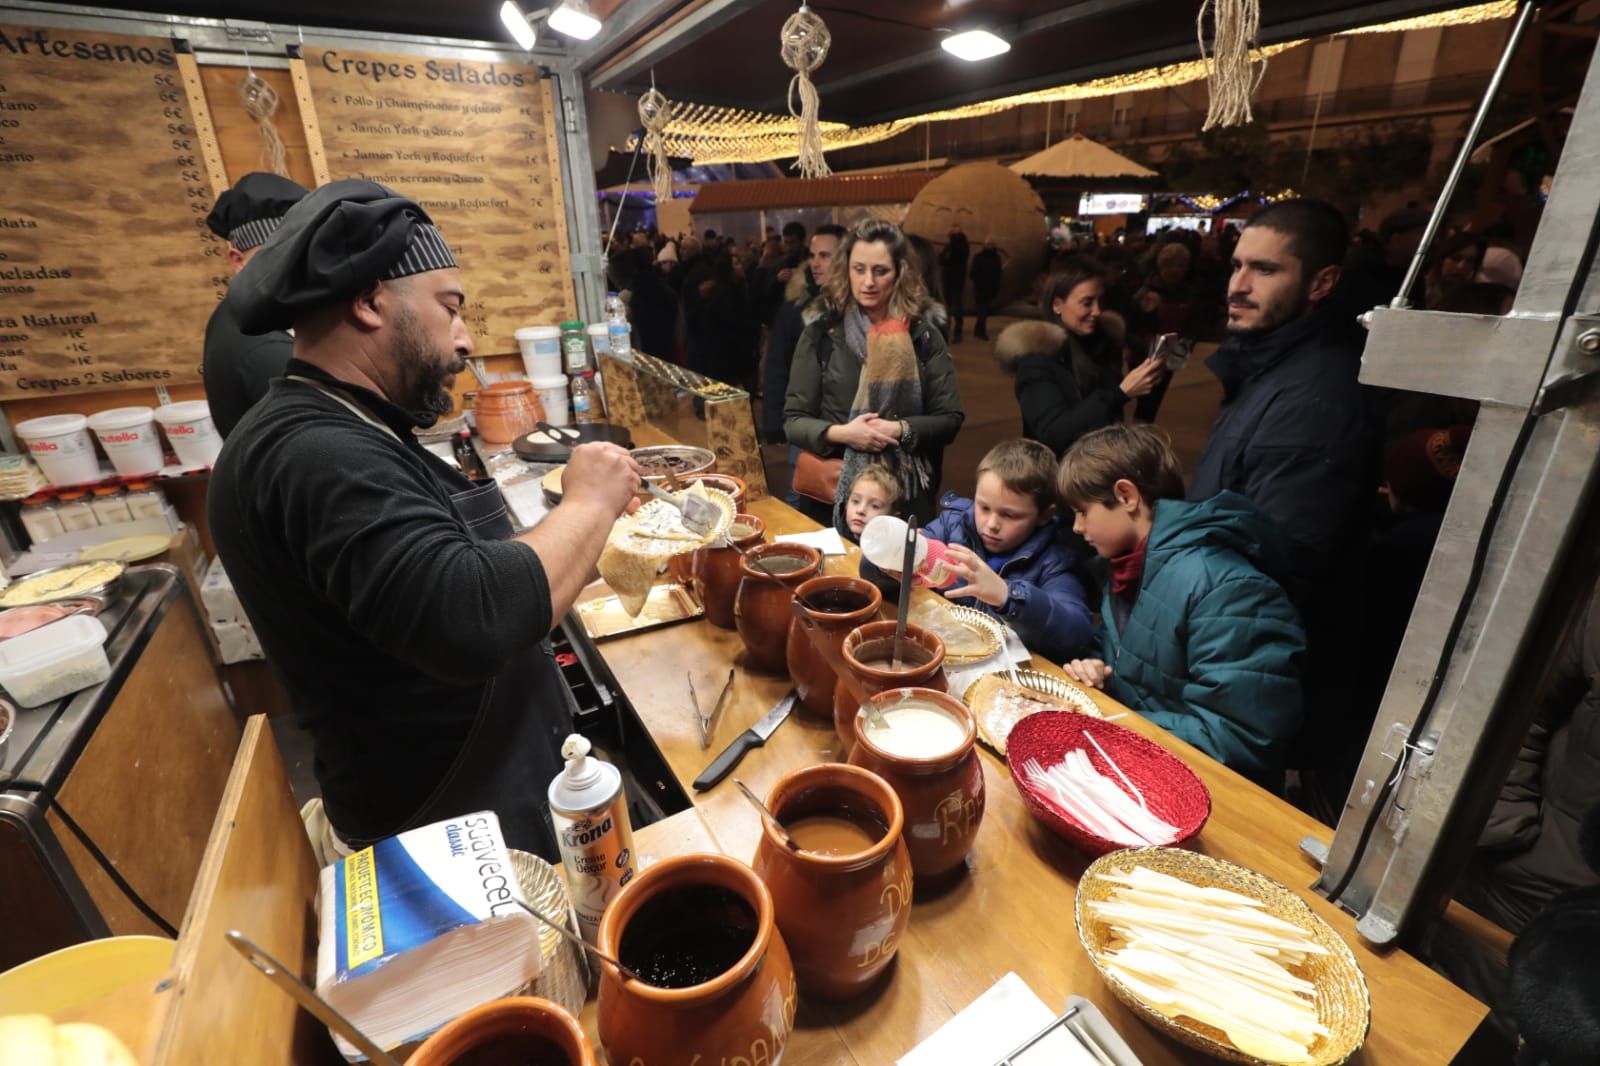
(1013, 908)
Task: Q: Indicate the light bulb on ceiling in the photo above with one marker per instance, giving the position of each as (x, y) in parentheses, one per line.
(574, 19)
(974, 45)
(517, 24)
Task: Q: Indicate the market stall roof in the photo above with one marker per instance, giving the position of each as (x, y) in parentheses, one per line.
(841, 190)
(1079, 157)
(885, 61)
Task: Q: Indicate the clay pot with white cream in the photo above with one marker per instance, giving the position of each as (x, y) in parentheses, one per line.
(924, 746)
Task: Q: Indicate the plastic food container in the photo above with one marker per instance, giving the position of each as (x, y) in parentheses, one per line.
(39, 518)
(192, 433)
(553, 398)
(62, 447)
(75, 511)
(130, 438)
(574, 347)
(110, 505)
(145, 501)
(54, 660)
(541, 350)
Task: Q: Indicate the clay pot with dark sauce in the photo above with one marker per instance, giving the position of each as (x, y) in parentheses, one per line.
(838, 605)
(714, 571)
(761, 607)
(717, 984)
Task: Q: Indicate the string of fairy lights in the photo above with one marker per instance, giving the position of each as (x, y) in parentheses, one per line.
(709, 134)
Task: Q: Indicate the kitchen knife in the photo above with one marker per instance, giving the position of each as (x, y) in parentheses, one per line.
(754, 737)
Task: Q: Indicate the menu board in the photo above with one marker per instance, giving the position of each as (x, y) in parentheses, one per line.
(107, 270)
(474, 143)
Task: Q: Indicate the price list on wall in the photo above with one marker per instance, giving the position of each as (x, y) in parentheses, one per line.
(107, 271)
(473, 142)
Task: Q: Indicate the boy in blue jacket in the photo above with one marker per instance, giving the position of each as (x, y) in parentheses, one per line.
(1196, 633)
(1011, 555)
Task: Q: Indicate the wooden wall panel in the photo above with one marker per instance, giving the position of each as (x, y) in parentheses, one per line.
(474, 143)
(239, 135)
(146, 785)
(106, 267)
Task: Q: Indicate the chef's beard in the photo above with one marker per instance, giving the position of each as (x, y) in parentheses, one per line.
(424, 368)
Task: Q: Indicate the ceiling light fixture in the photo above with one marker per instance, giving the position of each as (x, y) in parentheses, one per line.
(519, 25)
(574, 19)
(974, 45)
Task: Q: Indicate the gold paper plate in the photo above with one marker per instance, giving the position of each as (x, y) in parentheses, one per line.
(1343, 1006)
(1071, 698)
(993, 634)
(604, 617)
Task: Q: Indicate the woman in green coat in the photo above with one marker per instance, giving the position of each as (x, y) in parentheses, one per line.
(872, 379)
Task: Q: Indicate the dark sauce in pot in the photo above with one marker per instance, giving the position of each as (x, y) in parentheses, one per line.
(688, 936)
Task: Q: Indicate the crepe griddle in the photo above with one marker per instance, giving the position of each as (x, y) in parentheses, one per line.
(535, 449)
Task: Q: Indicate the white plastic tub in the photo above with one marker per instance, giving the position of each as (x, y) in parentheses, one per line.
(541, 350)
(130, 438)
(552, 392)
(62, 447)
(193, 435)
(54, 660)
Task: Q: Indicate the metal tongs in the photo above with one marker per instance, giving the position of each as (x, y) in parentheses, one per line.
(708, 722)
(1067, 1020)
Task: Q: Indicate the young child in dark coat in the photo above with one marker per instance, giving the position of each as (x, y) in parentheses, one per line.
(1012, 557)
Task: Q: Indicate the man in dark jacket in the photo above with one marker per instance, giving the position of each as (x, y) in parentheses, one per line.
(953, 269)
(988, 267)
(801, 288)
(1293, 436)
(236, 367)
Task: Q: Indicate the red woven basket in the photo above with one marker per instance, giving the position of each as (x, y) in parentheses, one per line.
(1173, 791)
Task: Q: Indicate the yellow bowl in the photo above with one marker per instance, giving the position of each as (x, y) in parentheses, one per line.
(83, 972)
(1343, 1006)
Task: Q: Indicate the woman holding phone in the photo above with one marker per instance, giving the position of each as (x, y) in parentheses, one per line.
(1069, 368)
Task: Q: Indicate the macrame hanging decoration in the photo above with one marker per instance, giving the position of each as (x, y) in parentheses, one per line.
(805, 40)
(655, 112)
(261, 103)
(1231, 71)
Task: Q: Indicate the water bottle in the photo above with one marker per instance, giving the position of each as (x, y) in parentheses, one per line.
(617, 329)
(586, 399)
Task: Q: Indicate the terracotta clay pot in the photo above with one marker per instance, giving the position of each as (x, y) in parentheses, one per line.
(761, 609)
(942, 796)
(531, 1028)
(743, 1014)
(841, 915)
(813, 678)
(733, 486)
(714, 572)
(506, 410)
(878, 676)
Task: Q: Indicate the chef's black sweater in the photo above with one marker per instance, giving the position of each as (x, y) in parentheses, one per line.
(237, 368)
(381, 614)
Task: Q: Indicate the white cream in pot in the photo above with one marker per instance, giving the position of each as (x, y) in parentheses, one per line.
(914, 728)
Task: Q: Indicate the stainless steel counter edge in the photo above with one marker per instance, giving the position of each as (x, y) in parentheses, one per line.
(48, 740)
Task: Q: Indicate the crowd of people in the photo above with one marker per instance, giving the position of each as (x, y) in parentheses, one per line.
(1253, 605)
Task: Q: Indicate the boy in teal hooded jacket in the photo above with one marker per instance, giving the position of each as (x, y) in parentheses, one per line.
(1196, 633)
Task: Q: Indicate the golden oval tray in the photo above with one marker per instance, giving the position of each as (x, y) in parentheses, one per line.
(981, 624)
(1343, 1004)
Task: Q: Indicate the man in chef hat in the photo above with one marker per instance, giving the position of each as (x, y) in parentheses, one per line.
(406, 619)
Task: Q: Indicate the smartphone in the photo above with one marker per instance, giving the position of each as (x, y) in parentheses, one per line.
(1172, 350)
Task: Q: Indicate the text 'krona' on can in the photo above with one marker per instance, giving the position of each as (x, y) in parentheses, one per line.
(592, 829)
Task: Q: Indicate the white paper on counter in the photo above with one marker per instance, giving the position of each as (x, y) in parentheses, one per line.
(826, 541)
(992, 1025)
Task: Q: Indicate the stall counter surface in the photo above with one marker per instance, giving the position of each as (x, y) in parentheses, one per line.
(1012, 909)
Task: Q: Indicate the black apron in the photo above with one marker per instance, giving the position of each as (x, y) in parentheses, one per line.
(513, 750)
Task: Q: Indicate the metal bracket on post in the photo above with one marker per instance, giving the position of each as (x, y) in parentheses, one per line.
(1576, 363)
(243, 30)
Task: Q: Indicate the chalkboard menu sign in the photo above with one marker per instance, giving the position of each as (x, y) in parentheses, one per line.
(474, 143)
(107, 270)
